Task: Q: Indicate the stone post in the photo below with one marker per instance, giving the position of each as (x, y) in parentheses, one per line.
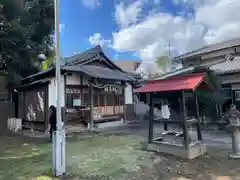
(234, 119)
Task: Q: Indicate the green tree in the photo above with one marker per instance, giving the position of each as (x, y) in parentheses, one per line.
(210, 99)
(26, 30)
(163, 63)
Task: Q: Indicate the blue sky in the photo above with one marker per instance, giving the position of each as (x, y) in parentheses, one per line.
(144, 29)
(80, 22)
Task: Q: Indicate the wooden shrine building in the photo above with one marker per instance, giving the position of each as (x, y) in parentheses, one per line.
(180, 92)
(93, 90)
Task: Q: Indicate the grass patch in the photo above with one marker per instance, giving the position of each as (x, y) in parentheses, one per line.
(88, 157)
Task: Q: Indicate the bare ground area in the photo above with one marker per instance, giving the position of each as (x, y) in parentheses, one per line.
(109, 157)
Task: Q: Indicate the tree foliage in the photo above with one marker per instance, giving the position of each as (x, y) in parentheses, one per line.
(163, 63)
(210, 99)
(26, 30)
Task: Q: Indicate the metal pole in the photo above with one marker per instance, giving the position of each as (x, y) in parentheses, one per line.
(59, 135)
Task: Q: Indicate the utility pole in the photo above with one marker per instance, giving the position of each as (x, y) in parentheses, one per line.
(59, 157)
(169, 58)
(169, 50)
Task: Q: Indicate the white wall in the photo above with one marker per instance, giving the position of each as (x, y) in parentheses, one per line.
(128, 94)
(52, 96)
(74, 79)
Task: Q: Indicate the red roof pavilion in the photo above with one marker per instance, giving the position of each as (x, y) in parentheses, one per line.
(185, 82)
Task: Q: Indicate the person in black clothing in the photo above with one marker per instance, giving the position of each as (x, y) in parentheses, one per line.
(53, 120)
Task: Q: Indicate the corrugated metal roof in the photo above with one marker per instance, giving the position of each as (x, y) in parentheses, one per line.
(186, 82)
(227, 67)
(210, 48)
(175, 73)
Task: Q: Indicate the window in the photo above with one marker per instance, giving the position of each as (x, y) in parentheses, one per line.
(86, 97)
(237, 95)
(73, 97)
(226, 93)
(96, 99)
(121, 100)
(109, 99)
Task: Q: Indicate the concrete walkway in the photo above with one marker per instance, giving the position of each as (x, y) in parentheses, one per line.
(210, 138)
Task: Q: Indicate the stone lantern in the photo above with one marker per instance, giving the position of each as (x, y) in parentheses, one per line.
(234, 120)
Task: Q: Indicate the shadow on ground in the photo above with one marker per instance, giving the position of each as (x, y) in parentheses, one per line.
(108, 157)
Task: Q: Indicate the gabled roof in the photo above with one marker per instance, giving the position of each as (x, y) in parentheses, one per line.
(99, 72)
(90, 55)
(186, 82)
(209, 48)
(227, 67)
(79, 63)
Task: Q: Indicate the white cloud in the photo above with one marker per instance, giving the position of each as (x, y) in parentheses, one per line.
(148, 36)
(91, 4)
(97, 39)
(128, 14)
(62, 26)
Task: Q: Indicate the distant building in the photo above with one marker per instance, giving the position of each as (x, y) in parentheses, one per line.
(224, 59)
(128, 65)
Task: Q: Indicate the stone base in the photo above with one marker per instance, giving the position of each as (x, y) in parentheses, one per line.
(195, 150)
(103, 125)
(109, 124)
(234, 156)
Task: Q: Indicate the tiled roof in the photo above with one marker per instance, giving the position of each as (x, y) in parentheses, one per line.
(227, 66)
(81, 57)
(210, 48)
(99, 72)
(78, 63)
(90, 55)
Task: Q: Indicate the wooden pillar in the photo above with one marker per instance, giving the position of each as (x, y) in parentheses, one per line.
(91, 107)
(232, 96)
(81, 90)
(199, 132)
(124, 104)
(185, 125)
(151, 116)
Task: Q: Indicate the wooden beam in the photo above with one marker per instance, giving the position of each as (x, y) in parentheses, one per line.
(151, 116)
(91, 107)
(185, 125)
(199, 131)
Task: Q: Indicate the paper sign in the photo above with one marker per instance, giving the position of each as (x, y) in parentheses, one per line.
(77, 102)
